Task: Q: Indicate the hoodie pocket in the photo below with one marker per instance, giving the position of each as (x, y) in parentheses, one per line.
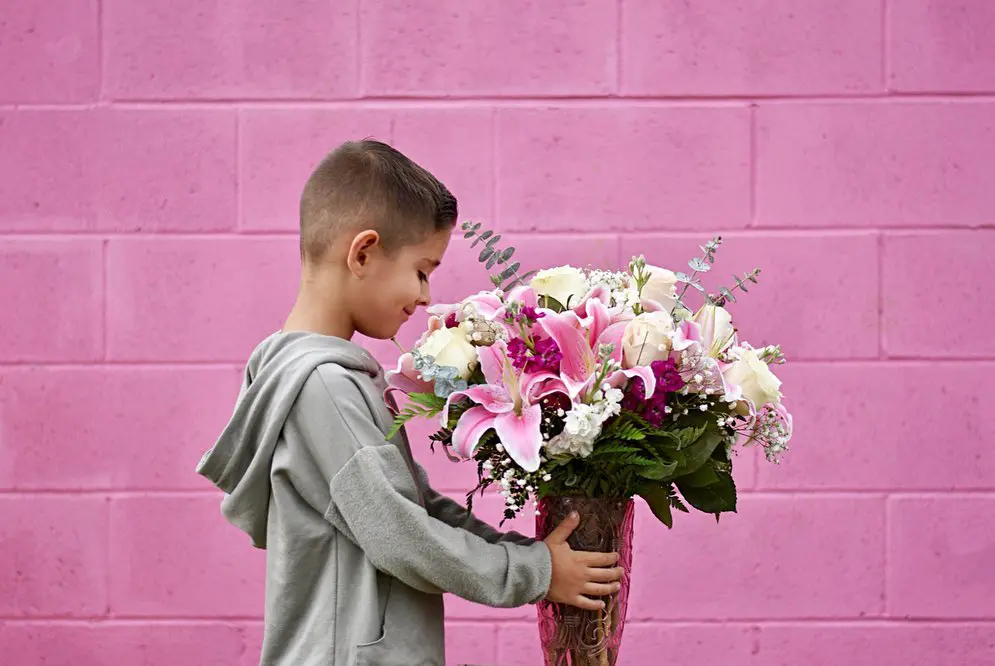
(375, 653)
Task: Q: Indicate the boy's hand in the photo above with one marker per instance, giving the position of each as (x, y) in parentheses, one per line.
(577, 574)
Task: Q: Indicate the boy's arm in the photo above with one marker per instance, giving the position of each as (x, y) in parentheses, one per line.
(374, 503)
(453, 513)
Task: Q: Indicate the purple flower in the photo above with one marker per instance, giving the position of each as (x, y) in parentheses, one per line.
(528, 314)
(668, 379)
(546, 357)
(655, 411)
(635, 395)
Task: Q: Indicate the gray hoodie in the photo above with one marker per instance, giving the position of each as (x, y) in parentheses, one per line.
(359, 547)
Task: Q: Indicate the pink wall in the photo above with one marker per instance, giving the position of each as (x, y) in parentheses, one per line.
(150, 159)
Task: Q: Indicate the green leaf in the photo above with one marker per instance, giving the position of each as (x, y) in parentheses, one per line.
(506, 254)
(493, 240)
(657, 471)
(714, 498)
(485, 254)
(703, 476)
(428, 400)
(682, 277)
(697, 286)
(692, 457)
(551, 303)
(610, 449)
(728, 295)
(491, 260)
(659, 503)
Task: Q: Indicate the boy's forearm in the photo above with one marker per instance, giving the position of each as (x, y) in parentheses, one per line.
(374, 505)
(453, 513)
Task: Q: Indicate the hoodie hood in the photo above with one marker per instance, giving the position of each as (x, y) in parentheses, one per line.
(239, 462)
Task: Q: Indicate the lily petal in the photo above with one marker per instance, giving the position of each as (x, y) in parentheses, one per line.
(620, 378)
(521, 437)
(594, 317)
(486, 303)
(541, 384)
(686, 334)
(405, 378)
(612, 335)
(492, 362)
(578, 361)
(473, 423)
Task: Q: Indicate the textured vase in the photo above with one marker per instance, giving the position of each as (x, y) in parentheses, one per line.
(571, 636)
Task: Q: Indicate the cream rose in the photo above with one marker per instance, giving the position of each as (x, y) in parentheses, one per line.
(661, 287)
(646, 339)
(564, 283)
(758, 384)
(450, 347)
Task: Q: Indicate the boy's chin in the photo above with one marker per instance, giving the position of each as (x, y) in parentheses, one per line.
(379, 333)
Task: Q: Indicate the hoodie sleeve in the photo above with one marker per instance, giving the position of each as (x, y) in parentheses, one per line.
(453, 513)
(374, 502)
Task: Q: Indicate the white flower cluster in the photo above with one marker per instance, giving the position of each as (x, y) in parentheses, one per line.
(583, 423)
(623, 291)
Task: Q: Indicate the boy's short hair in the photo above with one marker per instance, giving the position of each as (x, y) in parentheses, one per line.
(370, 185)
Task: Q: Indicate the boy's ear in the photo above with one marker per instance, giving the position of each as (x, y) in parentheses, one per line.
(364, 245)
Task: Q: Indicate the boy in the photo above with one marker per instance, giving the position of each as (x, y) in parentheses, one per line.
(359, 546)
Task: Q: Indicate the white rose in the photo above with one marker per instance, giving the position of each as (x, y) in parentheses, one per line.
(717, 331)
(450, 347)
(758, 384)
(661, 287)
(646, 339)
(564, 283)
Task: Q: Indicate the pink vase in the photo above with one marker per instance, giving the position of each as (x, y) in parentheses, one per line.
(571, 636)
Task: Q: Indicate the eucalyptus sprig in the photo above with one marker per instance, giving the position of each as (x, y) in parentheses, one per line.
(725, 294)
(699, 265)
(491, 255)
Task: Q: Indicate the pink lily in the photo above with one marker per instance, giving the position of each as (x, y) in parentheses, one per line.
(579, 338)
(508, 403)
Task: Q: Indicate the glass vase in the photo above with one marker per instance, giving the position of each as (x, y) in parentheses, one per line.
(571, 636)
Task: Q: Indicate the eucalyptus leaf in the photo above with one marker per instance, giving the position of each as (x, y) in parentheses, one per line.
(728, 294)
(485, 254)
(697, 285)
(491, 260)
(482, 237)
(493, 241)
(506, 254)
(682, 277)
(699, 265)
(508, 272)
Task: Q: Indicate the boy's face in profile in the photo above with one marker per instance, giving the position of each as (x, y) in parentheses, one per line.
(392, 285)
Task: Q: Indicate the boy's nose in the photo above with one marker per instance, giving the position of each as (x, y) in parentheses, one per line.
(425, 298)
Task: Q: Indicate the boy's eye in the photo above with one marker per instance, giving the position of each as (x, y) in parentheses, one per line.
(422, 276)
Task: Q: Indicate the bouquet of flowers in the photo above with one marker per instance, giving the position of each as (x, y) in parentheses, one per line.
(584, 388)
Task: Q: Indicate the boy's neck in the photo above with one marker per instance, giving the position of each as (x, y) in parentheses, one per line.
(318, 309)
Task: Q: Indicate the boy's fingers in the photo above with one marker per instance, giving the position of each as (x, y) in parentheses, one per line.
(588, 604)
(604, 574)
(564, 529)
(600, 559)
(600, 589)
